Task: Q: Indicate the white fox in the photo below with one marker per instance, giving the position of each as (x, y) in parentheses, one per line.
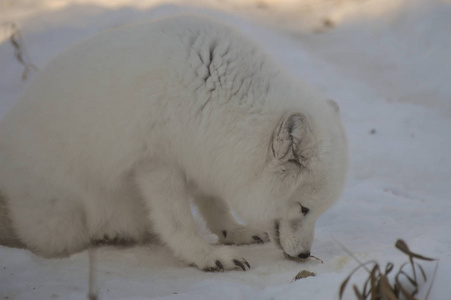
(117, 134)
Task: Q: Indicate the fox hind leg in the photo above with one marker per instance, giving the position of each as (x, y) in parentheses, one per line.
(52, 228)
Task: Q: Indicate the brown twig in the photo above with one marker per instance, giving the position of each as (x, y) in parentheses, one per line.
(92, 293)
(15, 38)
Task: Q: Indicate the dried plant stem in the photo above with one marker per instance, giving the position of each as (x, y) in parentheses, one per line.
(319, 259)
(15, 38)
(432, 281)
(378, 287)
(92, 293)
(352, 255)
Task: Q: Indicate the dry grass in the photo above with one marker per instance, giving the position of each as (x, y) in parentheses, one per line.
(378, 286)
(15, 38)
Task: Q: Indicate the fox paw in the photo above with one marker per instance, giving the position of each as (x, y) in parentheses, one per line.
(222, 259)
(242, 235)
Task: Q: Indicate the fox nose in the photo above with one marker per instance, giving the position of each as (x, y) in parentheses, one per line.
(304, 255)
(301, 256)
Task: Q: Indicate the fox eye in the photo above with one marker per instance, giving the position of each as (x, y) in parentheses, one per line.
(304, 209)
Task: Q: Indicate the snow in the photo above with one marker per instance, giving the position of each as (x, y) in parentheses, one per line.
(387, 63)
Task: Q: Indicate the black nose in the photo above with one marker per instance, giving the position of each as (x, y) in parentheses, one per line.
(304, 255)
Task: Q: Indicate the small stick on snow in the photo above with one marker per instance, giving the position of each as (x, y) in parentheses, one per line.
(92, 293)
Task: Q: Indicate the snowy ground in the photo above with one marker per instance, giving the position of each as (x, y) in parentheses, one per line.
(386, 62)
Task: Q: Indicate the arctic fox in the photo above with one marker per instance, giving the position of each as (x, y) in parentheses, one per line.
(117, 135)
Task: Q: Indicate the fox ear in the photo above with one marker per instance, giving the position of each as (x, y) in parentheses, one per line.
(293, 139)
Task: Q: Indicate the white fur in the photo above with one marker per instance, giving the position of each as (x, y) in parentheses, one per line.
(117, 134)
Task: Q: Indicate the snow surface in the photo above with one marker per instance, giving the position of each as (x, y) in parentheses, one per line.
(386, 62)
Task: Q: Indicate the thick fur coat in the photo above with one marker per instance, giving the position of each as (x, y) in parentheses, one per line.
(117, 135)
